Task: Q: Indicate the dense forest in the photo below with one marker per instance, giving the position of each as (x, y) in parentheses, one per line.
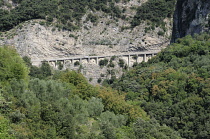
(67, 14)
(154, 11)
(168, 97)
(174, 86)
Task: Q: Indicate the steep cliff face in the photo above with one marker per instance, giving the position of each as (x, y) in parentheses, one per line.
(191, 16)
(41, 41)
(107, 36)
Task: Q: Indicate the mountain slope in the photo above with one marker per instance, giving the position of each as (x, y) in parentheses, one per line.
(52, 28)
(174, 86)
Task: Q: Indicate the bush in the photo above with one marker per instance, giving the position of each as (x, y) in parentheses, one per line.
(160, 33)
(103, 62)
(92, 18)
(121, 63)
(111, 64)
(76, 63)
(113, 58)
(99, 80)
(135, 57)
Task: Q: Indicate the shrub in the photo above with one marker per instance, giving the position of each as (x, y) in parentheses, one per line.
(103, 62)
(135, 57)
(76, 63)
(121, 62)
(99, 80)
(90, 79)
(112, 58)
(111, 64)
(160, 33)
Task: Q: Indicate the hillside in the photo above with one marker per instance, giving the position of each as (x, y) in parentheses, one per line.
(167, 97)
(59, 29)
(64, 105)
(173, 87)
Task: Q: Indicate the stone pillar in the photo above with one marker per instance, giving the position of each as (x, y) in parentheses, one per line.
(145, 56)
(80, 60)
(97, 60)
(64, 64)
(56, 64)
(137, 56)
(128, 61)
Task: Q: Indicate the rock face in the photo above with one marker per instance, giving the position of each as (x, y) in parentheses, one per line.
(191, 16)
(109, 35)
(41, 41)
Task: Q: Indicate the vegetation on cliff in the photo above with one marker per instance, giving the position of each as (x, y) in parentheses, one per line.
(154, 11)
(67, 14)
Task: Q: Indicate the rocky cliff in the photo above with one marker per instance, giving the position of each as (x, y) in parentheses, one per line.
(108, 35)
(191, 16)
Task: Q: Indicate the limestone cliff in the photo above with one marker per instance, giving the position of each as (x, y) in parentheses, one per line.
(108, 35)
(191, 16)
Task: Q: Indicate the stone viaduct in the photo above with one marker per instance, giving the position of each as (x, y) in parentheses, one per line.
(68, 62)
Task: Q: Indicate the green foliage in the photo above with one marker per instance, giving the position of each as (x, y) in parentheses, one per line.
(173, 88)
(121, 62)
(151, 129)
(4, 128)
(45, 69)
(67, 13)
(135, 57)
(160, 33)
(99, 80)
(115, 120)
(111, 64)
(92, 18)
(11, 65)
(76, 63)
(95, 107)
(49, 109)
(16, 116)
(112, 58)
(103, 62)
(155, 11)
(27, 60)
(41, 72)
(84, 90)
(167, 97)
(116, 103)
(60, 65)
(41, 105)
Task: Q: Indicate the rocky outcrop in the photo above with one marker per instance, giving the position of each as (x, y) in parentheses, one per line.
(107, 37)
(191, 16)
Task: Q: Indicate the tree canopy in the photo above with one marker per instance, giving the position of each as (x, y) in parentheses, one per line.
(173, 87)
